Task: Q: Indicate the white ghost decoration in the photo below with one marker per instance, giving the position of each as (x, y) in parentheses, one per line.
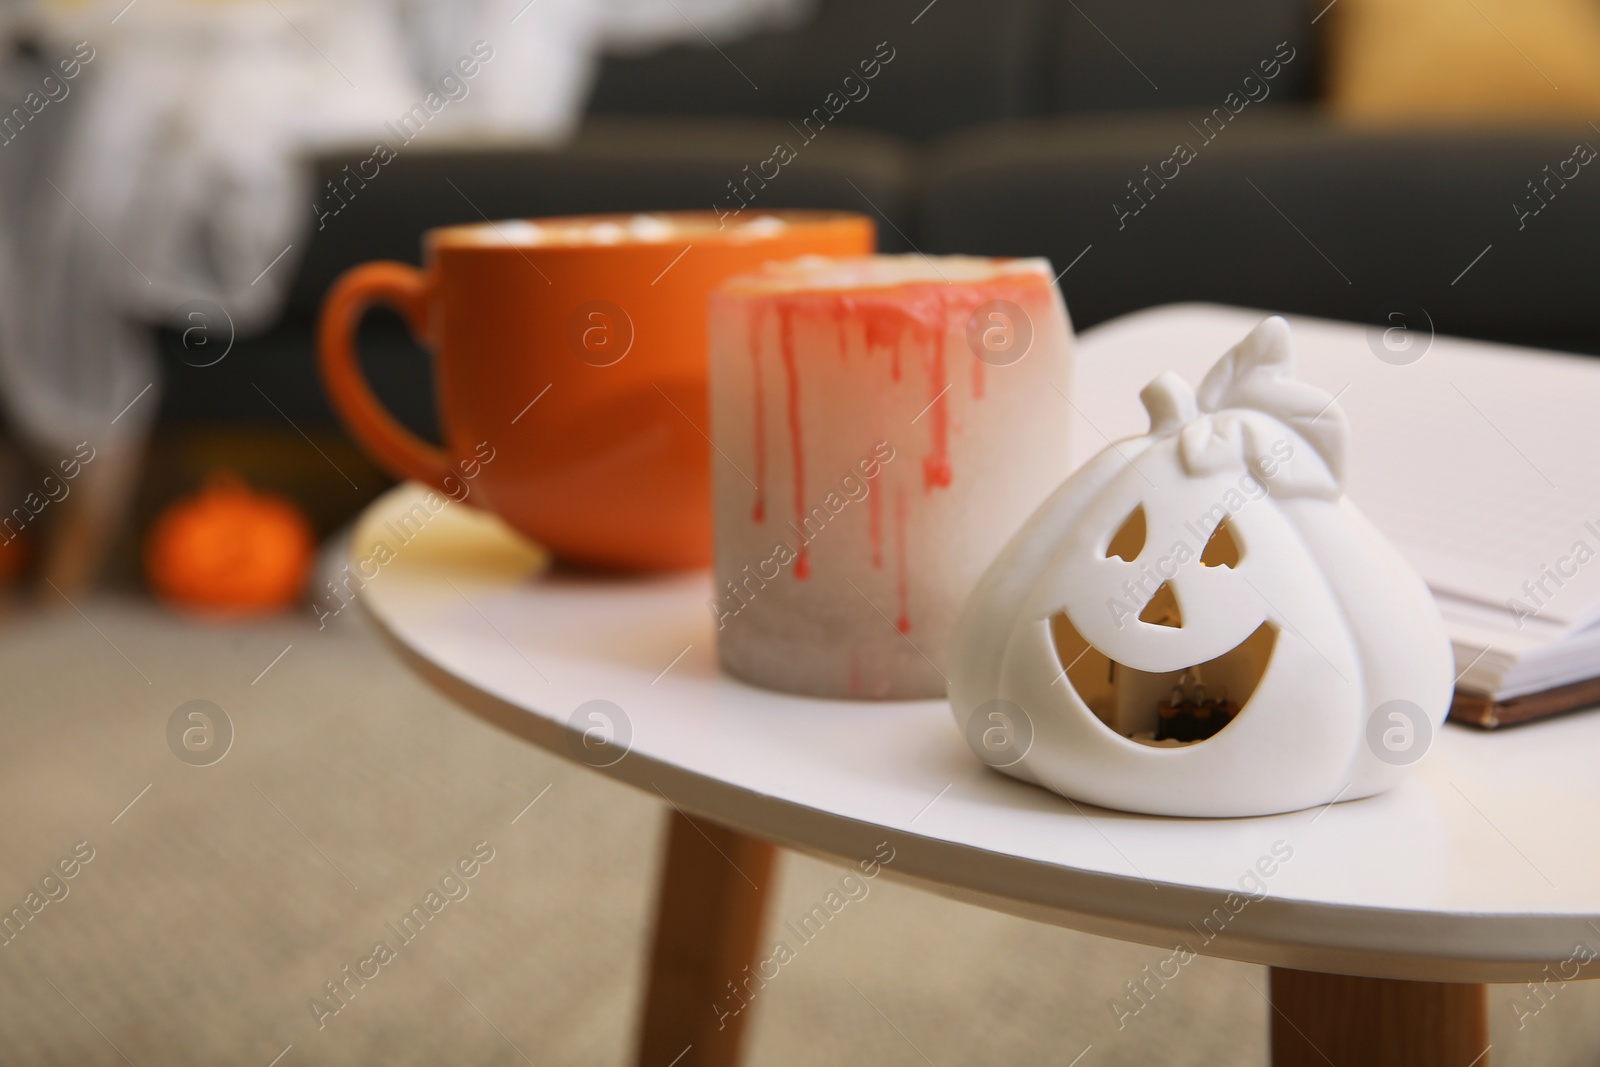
(1198, 622)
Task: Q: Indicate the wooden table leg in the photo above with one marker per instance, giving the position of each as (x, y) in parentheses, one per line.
(713, 892)
(1376, 1022)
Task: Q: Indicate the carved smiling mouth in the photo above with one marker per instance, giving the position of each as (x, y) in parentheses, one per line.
(1165, 708)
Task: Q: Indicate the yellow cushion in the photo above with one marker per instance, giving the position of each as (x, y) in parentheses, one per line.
(1464, 61)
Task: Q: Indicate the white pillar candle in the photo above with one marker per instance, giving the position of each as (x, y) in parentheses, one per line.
(881, 425)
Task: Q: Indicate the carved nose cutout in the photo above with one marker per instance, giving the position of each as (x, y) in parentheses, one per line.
(1163, 608)
(1128, 541)
(1221, 550)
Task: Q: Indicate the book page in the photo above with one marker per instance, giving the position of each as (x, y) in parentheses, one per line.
(1480, 462)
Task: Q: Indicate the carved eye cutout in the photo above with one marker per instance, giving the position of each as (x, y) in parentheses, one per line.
(1222, 550)
(1128, 541)
(1163, 608)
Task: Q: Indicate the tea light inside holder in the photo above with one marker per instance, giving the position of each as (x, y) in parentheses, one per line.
(881, 426)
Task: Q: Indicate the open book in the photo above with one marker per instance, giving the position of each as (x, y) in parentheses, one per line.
(1480, 462)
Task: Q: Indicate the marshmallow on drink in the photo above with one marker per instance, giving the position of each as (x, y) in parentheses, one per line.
(882, 425)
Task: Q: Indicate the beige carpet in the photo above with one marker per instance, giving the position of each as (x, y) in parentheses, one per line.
(216, 906)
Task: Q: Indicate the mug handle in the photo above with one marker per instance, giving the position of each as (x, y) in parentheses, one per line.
(404, 288)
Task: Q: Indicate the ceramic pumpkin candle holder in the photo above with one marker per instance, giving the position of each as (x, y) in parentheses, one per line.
(1198, 622)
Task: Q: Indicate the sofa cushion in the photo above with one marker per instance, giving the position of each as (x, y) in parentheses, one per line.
(1280, 210)
(954, 64)
(1118, 54)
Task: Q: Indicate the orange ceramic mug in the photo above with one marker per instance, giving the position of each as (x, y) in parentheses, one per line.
(573, 351)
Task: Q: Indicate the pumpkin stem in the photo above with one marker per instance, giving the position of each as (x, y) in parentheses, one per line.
(1170, 402)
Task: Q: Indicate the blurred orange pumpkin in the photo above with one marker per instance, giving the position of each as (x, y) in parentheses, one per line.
(229, 550)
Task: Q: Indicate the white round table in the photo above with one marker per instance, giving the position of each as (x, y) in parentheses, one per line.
(1472, 872)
